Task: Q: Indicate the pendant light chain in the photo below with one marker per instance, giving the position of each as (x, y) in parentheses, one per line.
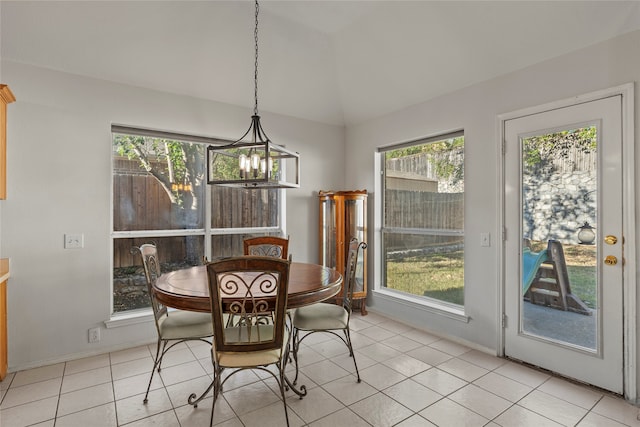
(260, 163)
(255, 75)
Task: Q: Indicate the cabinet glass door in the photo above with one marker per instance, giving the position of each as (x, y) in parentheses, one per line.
(354, 227)
(328, 233)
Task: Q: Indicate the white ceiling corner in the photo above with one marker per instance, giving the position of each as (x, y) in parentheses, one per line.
(337, 62)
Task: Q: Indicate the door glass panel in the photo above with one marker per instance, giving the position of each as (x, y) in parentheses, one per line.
(559, 214)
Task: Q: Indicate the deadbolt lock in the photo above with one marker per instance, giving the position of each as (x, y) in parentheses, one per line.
(611, 240)
(611, 260)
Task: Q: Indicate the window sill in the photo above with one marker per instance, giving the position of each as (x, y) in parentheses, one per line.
(129, 318)
(441, 309)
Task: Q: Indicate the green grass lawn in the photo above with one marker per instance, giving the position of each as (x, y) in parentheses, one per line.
(441, 276)
(581, 265)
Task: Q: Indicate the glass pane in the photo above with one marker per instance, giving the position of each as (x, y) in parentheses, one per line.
(158, 184)
(354, 227)
(426, 265)
(225, 245)
(559, 211)
(129, 283)
(359, 277)
(329, 232)
(240, 208)
(423, 235)
(354, 219)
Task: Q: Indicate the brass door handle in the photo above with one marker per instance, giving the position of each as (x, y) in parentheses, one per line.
(610, 260)
(611, 240)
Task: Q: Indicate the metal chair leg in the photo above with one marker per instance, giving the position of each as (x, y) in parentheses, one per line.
(296, 345)
(351, 352)
(217, 389)
(281, 383)
(156, 365)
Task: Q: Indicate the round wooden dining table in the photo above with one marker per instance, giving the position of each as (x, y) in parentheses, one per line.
(188, 289)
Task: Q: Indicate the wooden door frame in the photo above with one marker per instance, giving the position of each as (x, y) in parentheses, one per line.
(628, 221)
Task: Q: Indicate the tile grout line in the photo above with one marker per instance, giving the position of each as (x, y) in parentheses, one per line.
(330, 357)
(113, 390)
(55, 416)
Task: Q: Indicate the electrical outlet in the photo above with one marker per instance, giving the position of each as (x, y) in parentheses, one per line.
(94, 335)
(73, 241)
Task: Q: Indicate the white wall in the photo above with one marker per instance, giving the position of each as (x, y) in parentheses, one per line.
(475, 109)
(59, 181)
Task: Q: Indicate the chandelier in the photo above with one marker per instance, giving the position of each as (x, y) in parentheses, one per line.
(254, 162)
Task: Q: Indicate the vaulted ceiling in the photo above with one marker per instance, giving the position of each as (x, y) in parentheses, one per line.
(337, 62)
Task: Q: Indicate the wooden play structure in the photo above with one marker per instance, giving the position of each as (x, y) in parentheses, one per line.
(545, 280)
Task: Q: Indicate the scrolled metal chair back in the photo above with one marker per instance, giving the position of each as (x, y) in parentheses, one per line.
(270, 246)
(152, 271)
(350, 272)
(247, 288)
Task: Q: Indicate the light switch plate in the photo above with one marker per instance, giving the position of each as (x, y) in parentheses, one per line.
(73, 241)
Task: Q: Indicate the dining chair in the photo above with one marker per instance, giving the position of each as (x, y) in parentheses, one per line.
(328, 317)
(246, 287)
(175, 326)
(272, 246)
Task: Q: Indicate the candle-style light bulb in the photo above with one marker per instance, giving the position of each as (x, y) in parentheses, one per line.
(255, 164)
(255, 161)
(242, 162)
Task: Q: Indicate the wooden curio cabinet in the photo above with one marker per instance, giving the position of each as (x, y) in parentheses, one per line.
(6, 97)
(343, 215)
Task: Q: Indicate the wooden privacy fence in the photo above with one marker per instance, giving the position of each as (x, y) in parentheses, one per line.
(142, 204)
(425, 213)
(170, 249)
(139, 201)
(240, 208)
(423, 209)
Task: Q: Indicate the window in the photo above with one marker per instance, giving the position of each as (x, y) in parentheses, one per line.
(160, 195)
(423, 218)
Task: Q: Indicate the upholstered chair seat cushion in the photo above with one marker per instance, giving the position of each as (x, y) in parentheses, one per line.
(330, 318)
(173, 327)
(321, 316)
(181, 324)
(233, 359)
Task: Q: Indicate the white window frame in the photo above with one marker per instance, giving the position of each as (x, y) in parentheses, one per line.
(145, 315)
(380, 290)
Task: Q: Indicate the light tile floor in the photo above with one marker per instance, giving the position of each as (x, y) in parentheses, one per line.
(409, 378)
